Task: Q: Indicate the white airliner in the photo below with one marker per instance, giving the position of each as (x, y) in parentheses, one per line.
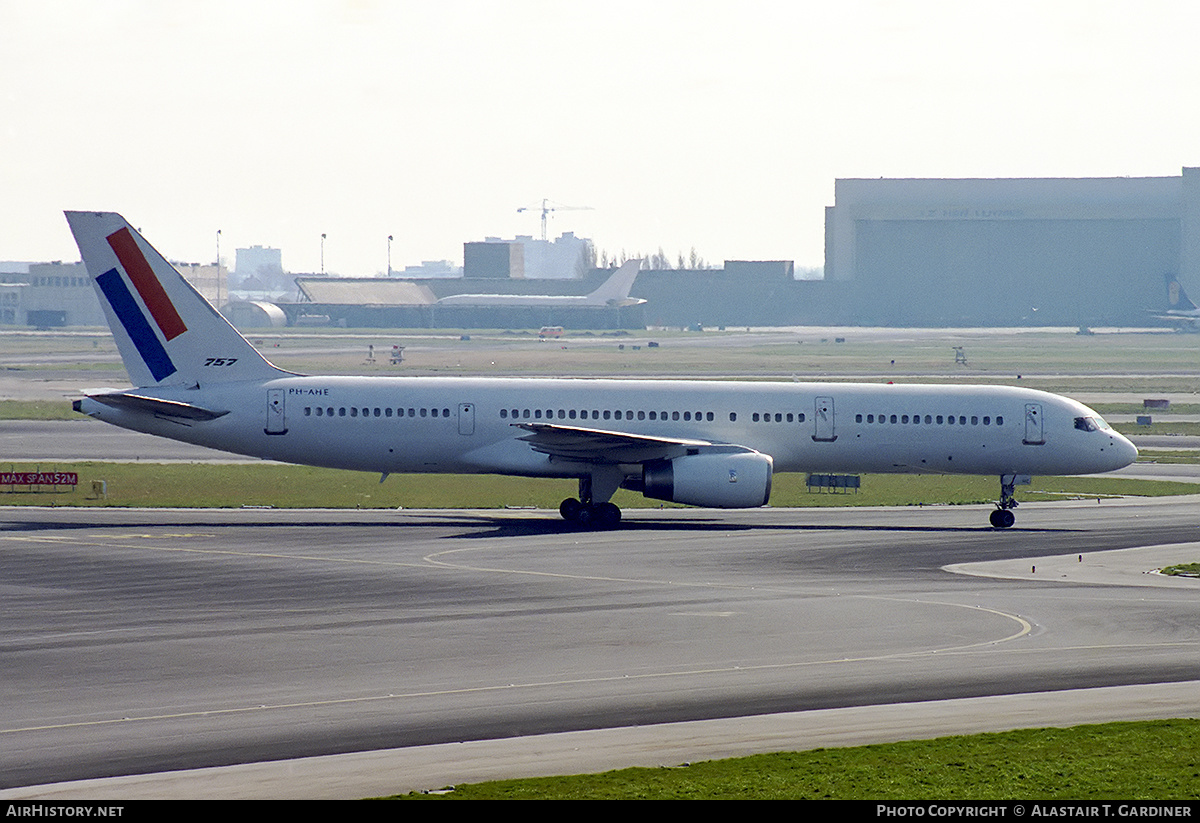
(612, 292)
(705, 443)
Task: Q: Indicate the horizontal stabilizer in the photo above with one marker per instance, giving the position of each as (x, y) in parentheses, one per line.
(153, 405)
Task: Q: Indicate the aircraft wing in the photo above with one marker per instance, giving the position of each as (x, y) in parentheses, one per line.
(600, 446)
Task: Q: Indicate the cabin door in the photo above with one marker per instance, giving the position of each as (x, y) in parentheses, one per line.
(823, 420)
(1033, 425)
(466, 418)
(275, 420)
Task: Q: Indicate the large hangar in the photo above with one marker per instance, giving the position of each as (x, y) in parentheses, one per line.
(950, 252)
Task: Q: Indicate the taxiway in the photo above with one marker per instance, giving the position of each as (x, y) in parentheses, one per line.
(147, 641)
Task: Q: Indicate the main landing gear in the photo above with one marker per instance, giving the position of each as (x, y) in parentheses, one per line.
(586, 512)
(1003, 517)
(590, 515)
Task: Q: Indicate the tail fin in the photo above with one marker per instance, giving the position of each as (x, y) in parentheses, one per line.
(615, 290)
(1177, 298)
(166, 332)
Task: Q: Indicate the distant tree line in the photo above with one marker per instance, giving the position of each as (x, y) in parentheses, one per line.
(657, 261)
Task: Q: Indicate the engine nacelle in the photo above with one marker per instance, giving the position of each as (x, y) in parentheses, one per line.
(737, 480)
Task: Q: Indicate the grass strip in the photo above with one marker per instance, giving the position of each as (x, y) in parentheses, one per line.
(1183, 570)
(1155, 760)
(221, 485)
(37, 410)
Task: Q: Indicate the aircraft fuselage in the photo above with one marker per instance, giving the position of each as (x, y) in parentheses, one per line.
(467, 425)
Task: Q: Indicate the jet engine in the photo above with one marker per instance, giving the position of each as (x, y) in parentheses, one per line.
(738, 480)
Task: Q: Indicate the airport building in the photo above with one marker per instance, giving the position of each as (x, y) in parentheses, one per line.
(257, 261)
(49, 295)
(1003, 252)
(567, 257)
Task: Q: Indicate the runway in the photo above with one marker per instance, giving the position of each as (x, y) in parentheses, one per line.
(147, 641)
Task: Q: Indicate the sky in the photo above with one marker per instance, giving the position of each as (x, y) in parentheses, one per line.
(718, 125)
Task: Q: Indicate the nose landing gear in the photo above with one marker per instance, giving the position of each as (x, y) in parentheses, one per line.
(1003, 517)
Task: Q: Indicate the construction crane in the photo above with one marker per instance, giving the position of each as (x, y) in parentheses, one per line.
(547, 208)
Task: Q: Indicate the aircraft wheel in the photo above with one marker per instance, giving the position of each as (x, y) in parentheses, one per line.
(586, 518)
(608, 515)
(569, 509)
(1002, 519)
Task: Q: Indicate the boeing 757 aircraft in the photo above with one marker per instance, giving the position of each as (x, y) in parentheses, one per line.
(704, 443)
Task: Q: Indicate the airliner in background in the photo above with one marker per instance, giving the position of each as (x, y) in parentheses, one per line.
(1181, 311)
(612, 292)
(704, 443)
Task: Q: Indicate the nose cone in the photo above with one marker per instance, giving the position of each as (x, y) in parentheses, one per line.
(1120, 452)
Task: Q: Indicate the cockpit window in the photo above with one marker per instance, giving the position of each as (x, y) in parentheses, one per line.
(1088, 424)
